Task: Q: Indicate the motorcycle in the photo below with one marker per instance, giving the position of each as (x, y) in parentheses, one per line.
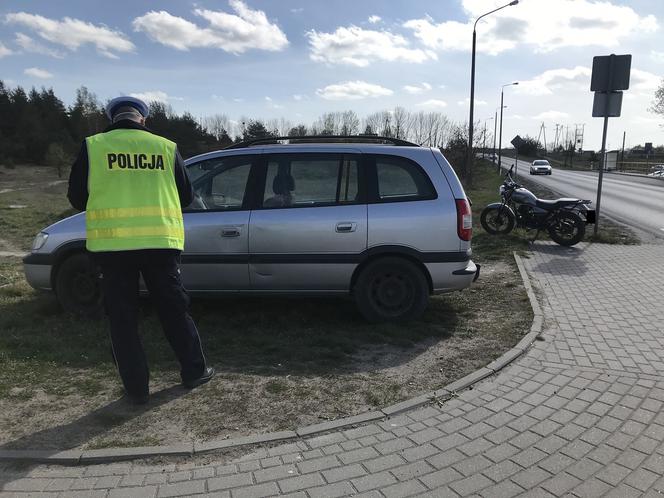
(564, 219)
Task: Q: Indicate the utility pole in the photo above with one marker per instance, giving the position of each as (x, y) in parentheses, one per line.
(544, 131)
(622, 153)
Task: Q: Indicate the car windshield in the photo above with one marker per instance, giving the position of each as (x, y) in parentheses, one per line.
(540, 163)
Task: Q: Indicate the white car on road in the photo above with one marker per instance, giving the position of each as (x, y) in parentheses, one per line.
(540, 167)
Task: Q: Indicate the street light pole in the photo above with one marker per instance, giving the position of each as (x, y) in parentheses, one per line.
(469, 159)
(500, 139)
(495, 129)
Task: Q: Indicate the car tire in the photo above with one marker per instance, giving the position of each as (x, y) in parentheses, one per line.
(78, 286)
(391, 289)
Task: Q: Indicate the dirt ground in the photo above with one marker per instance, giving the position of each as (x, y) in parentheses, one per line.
(282, 363)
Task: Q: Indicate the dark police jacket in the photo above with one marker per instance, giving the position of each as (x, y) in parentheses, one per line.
(77, 192)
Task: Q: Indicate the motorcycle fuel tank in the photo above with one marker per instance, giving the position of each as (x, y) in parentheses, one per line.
(524, 196)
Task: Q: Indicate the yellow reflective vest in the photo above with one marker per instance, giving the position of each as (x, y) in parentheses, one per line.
(133, 200)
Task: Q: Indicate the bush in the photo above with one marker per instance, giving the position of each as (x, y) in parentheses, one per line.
(9, 163)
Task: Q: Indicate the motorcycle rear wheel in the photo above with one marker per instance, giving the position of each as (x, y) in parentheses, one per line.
(567, 229)
(497, 221)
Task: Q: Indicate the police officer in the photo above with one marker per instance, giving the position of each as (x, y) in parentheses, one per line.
(133, 185)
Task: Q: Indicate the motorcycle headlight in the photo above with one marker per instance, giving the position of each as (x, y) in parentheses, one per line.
(39, 241)
(501, 189)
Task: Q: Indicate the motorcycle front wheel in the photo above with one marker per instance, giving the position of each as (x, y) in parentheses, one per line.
(497, 221)
(567, 229)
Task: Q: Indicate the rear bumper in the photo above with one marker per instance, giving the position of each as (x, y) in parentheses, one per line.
(448, 277)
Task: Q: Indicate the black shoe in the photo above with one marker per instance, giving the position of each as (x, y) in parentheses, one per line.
(136, 400)
(207, 375)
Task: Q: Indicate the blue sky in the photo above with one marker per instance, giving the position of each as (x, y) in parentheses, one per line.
(297, 59)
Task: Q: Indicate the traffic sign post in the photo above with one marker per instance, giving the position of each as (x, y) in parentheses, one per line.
(517, 142)
(609, 77)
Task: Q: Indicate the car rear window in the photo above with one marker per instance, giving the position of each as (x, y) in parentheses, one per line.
(541, 163)
(400, 179)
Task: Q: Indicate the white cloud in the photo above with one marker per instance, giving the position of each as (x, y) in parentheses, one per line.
(155, 96)
(555, 79)
(552, 116)
(300, 97)
(74, 33)
(417, 89)
(466, 101)
(28, 44)
(374, 19)
(353, 90)
(235, 33)
(297, 11)
(643, 81)
(544, 25)
(657, 56)
(360, 47)
(35, 72)
(238, 100)
(433, 104)
(4, 51)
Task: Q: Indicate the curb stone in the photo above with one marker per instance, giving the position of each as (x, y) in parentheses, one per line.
(107, 455)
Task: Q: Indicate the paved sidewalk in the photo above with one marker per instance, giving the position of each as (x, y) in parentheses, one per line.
(580, 413)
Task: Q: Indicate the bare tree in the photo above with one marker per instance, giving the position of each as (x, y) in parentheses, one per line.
(217, 125)
(402, 122)
(350, 123)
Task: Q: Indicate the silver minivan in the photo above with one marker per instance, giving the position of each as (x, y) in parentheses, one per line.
(387, 223)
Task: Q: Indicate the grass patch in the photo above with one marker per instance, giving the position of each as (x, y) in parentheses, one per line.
(281, 363)
(126, 443)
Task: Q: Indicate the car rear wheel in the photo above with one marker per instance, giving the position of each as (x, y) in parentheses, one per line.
(391, 289)
(78, 287)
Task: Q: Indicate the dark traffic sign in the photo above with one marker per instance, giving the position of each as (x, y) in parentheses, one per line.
(608, 75)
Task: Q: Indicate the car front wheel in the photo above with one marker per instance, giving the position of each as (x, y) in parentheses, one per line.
(78, 286)
(391, 289)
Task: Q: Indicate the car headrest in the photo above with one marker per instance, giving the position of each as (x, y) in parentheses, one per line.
(283, 184)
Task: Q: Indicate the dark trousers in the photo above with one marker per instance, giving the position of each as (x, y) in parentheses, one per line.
(120, 283)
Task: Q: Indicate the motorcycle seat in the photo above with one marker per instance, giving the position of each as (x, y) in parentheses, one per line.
(555, 203)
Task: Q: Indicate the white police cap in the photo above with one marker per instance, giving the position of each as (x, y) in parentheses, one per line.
(127, 101)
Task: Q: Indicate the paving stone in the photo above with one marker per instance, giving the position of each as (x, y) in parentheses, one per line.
(505, 489)
(256, 491)
(181, 489)
(301, 482)
(275, 473)
(407, 488)
(229, 481)
(373, 481)
(471, 484)
(141, 492)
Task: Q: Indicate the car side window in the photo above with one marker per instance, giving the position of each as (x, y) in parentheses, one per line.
(399, 179)
(300, 180)
(225, 187)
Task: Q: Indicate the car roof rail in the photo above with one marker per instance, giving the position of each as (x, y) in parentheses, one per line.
(367, 138)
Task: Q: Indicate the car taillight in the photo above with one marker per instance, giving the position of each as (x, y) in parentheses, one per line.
(464, 219)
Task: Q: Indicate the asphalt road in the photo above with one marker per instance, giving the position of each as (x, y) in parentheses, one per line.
(634, 200)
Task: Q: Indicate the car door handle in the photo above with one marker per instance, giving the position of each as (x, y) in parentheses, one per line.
(230, 231)
(346, 226)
